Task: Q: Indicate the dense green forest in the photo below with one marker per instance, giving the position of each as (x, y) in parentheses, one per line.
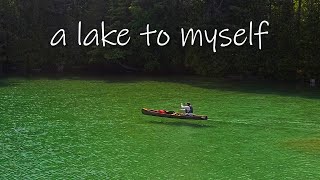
(290, 50)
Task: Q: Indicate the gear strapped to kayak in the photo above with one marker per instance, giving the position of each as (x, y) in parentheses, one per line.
(172, 114)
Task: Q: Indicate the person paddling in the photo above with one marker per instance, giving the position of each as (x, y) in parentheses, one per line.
(188, 109)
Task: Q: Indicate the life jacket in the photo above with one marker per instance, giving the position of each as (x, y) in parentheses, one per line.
(191, 110)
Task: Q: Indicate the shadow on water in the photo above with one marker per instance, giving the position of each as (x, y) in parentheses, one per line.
(292, 89)
(4, 83)
(282, 88)
(179, 124)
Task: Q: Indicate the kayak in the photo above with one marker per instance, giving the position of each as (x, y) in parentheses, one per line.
(172, 114)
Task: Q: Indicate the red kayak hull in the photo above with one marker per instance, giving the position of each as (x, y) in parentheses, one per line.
(171, 114)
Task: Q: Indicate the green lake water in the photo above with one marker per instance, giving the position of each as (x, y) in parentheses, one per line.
(94, 129)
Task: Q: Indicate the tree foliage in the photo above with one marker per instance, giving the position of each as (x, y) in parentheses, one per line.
(290, 51)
